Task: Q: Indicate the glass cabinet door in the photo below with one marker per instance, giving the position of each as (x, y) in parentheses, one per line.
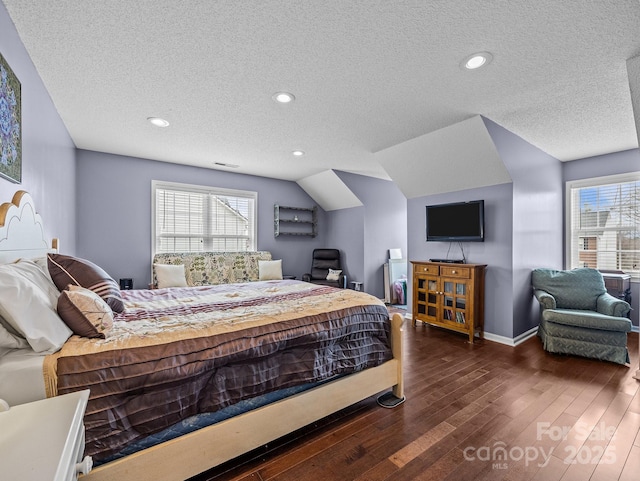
(426, 297)
(454, 300)
(421, 296)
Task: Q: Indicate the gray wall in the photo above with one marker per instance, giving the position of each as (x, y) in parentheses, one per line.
(384, 226)
(345, 231)
(495, 251)
(537, 231)
(523, 230)
(114, 212)
(116, 233)
(48, 154)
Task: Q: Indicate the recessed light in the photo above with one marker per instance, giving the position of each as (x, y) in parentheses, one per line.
(477, 60)
(283, 97)
(158, 122)
(298, 153)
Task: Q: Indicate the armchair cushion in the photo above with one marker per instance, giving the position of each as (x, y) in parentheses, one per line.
(574, 289)
(334, 275)
(591, 336)
(587, 319)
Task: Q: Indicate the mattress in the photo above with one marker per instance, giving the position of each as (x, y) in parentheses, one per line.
(199, 421)
(177, 353)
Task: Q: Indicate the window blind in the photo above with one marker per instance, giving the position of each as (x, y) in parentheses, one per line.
(197, 219)
(604, 219)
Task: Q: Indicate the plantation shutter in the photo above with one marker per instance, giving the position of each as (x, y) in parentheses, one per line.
(604, 230)
(197, 219)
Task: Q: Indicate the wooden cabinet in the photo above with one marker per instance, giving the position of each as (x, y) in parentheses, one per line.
(617, 284)
(449, 296)
(299, 221)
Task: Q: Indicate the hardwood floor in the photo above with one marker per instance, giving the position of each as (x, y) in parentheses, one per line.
(484, 411)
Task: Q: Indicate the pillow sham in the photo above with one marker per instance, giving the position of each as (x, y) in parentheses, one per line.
(29, 310)
(85, 312)
(33, 271)
(9, 341)
(270, 270)
(41, 262)
(334, 275)
(67, 270)
(170, 275)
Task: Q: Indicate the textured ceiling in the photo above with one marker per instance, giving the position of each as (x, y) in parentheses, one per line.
(367, 75)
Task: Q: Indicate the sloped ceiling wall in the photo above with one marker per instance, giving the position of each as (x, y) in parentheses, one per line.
(458, 157)
(328, 190)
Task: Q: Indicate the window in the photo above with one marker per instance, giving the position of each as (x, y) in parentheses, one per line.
(191, 218)
(603, 219)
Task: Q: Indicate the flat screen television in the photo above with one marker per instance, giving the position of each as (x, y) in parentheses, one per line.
(459, 222)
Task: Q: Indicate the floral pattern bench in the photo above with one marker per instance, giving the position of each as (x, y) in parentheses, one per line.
(209, 268)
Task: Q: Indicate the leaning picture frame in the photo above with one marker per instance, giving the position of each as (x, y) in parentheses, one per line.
(10, 124)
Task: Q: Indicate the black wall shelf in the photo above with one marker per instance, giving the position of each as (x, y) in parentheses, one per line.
(295, 221)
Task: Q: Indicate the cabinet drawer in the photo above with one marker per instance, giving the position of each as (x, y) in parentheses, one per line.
(463, 272)
(422, 269)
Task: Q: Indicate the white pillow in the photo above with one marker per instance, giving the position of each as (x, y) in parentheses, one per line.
(334, 275)
(34, 271)
(169, 275)
(41, 262)
(270, 270)
(27, 304)
(10, 341)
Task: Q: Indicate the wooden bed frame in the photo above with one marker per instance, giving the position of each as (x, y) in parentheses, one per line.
(208, 447)
(22, 235)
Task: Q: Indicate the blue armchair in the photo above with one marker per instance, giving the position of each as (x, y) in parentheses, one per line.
(579, 317)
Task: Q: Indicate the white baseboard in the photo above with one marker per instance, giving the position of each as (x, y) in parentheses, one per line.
(499, 339)
(509, 341)
(516, 340)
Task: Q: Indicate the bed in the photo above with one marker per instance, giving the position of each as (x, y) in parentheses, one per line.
(304, 351)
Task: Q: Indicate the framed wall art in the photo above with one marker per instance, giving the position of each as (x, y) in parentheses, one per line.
(10, 124)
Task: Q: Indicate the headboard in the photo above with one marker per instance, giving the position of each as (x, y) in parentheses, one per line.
(22, 230)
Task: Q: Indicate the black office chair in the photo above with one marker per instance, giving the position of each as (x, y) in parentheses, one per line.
(323, 260)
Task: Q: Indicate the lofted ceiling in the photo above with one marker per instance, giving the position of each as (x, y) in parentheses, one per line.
(367, 75)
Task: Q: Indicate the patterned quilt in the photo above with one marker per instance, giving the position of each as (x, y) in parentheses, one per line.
(178, 352)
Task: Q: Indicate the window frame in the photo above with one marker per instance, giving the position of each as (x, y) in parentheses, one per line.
(586, 183)
(204, 189)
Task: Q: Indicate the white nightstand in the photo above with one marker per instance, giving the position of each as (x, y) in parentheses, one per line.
(44, 440)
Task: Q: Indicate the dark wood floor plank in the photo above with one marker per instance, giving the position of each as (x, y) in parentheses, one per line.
(462, 397)
(617, 441)
(602, 414)
(553, 471)
(632, 465)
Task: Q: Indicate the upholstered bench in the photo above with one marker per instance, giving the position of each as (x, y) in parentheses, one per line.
(207, 268)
